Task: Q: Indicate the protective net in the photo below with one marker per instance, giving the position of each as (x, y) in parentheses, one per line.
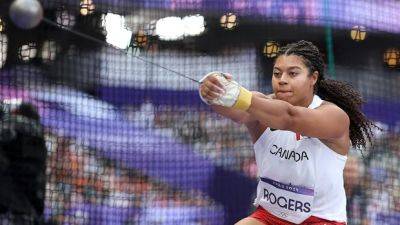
(124, 135)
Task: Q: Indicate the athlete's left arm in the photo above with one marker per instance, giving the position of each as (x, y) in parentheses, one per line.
(325, 122)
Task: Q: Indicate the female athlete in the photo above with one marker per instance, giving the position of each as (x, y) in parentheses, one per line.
(301, 134)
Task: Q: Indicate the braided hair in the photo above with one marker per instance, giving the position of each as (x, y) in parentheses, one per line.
(337, 92)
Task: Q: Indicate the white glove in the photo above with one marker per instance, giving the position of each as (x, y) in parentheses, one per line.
(235, 95)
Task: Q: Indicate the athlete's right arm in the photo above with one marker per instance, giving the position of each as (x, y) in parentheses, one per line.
(237, 115)
(234, 114)
(211, 89)
(253, 126)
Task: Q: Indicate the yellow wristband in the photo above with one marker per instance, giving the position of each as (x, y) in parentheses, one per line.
(243, 101)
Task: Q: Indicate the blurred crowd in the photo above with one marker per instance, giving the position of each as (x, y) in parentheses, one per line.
(85, 187)
(372, 183)
(224, 142)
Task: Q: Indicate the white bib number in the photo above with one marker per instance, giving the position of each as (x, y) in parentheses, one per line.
(288, 202)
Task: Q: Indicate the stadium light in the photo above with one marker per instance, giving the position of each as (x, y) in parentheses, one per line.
(49, 51)
(27, 52)
(228, 21)
(170, 28)
(65, 19)
(140, 39)
(117, 33)
(392, 57)
(271, 49)
(87, 7)
(2, 25)
(358, 33)
(193, 25)
(176, 28)
(3, 49)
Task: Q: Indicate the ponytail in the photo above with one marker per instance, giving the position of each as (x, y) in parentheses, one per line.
(348, 99)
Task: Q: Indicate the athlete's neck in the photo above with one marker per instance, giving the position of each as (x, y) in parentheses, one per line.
(306, 101)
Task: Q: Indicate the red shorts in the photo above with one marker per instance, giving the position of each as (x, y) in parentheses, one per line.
(268, 219)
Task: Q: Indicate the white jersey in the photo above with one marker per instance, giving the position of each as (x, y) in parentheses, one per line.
(299, 176)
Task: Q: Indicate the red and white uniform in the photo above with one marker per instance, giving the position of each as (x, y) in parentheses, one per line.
(299, 176)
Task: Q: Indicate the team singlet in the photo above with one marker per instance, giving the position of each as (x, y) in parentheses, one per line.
(299, 176)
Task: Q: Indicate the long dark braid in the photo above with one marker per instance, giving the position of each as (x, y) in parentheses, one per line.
(337, 92)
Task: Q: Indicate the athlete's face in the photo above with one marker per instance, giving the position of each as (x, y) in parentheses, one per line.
(292, 81)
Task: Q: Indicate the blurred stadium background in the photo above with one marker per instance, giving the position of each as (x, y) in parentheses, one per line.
(131, 143)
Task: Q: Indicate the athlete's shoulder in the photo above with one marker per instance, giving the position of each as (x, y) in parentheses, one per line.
(333, 110)
(331, 105)
(325, 102)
